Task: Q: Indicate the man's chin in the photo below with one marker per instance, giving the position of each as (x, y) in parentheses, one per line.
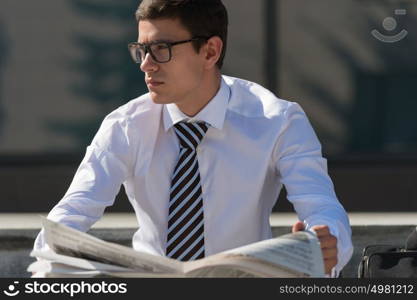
(159, 99)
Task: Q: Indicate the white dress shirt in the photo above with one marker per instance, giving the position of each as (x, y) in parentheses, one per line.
(255, 144)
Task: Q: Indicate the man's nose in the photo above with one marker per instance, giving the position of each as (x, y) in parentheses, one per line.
(148, 64)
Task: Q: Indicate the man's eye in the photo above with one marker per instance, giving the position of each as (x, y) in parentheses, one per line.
(161, 47)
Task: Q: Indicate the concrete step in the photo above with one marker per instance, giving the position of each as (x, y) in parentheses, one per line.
(18, 231)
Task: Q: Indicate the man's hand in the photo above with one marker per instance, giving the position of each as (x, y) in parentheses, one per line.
(328, 244)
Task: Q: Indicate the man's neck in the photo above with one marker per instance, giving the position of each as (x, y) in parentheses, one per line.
(207, 94)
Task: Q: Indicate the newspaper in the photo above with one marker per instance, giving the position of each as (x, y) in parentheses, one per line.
(78, 254)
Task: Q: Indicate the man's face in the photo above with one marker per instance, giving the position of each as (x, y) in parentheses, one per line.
(179, 80)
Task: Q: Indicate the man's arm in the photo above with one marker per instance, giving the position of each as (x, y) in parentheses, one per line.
(303, 171)
(96, 182)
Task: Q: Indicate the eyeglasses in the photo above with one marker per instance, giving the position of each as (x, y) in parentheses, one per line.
(160, 51)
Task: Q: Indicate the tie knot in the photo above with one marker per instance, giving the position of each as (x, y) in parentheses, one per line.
(190, 134)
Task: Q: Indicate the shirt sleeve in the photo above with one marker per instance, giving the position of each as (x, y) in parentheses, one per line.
(303, 171)
(97, 180)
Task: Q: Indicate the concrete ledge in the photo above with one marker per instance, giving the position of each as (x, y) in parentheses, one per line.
(20, 221)
(18, 231)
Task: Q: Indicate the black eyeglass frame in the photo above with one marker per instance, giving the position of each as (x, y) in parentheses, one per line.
(147, 48)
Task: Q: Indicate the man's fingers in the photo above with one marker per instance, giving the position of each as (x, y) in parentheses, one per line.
(329, 253)
(329, 264)
(328, 244)
(299, 226)
(321, 230)
(328, 241)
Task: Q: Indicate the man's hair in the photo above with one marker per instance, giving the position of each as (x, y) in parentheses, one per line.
(202, 18)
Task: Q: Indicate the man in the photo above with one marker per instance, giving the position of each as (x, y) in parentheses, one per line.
(203, 156)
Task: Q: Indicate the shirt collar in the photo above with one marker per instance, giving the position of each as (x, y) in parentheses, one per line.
(214, 113)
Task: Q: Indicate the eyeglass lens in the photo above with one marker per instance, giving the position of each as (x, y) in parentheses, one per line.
(160, 52)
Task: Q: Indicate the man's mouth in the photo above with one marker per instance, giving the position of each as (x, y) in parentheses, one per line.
(153, 83)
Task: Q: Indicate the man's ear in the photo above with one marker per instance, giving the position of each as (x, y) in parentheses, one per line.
(213, 50)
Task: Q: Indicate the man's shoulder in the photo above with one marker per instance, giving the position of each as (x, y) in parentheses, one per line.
(128, 120)
(134, 109)
(254, 100)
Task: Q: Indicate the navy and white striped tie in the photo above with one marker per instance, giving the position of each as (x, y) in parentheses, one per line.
(185, 239)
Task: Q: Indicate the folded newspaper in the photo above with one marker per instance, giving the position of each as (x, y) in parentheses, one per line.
(77, 254)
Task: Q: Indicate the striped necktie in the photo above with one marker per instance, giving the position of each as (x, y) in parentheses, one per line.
(185, 239)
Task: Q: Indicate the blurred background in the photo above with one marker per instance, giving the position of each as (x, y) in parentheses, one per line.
(351, 65)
